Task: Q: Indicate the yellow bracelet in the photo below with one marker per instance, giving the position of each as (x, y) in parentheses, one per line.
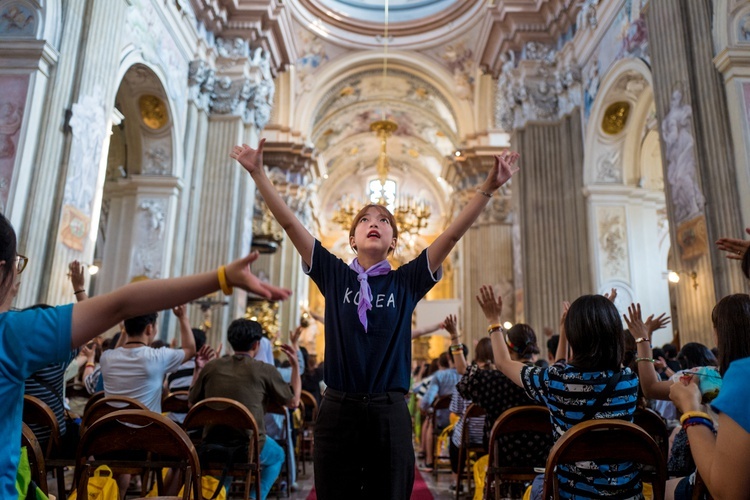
(494, 327)
(223, 281)
(690, 414)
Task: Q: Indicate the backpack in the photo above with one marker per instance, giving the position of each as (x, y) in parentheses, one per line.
(224, 448)
(26, 488)
(102, 486)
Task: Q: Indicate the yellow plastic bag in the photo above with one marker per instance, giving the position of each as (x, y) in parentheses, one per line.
(102, 486)
(480, 475)
(208, 487)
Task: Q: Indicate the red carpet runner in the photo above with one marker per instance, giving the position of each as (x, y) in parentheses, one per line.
(420, 491)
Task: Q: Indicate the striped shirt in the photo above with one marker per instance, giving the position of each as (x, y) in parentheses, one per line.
(567, 391)
(47, 385)
(459, 405)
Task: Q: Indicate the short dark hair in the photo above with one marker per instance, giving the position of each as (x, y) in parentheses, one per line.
(243, 333)
(694, 354)
(731, 318)
(137, 324)
(200, 338)
(594, 330)
(670, 351)
(483, 351)
(523, 338)
(552, 344)
(443, 360)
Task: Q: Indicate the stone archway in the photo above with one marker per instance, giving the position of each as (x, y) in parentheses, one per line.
(624, 187)
(140, 190)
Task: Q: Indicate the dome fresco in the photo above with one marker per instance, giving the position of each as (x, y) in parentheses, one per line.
(399, 10)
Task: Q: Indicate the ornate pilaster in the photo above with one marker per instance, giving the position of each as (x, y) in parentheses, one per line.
(84, 168)
(290, 169)
(490, 236)
(552, 218)
(703, 200)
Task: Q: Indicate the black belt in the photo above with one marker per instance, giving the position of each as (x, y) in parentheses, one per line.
(362, 397)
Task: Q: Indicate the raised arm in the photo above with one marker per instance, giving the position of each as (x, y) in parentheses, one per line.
(719, 457)
(77, 280)
(252, 161)
(187, 339)
(653, 387)
(492, 308)
(97, 314)
(501, 172)
(562, 344)
(296, 381)
(419, 332)
(456, 348)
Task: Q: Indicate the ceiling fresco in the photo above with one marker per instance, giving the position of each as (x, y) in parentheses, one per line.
(399, 10)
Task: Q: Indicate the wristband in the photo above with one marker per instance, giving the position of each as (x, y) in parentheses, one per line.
(698, 421)
(79, 291)
(223, 281)
(456, 348)
(650, 360)
(642, 339)
(92, 365)
(485, 193)
(690, 414)
(494, 327)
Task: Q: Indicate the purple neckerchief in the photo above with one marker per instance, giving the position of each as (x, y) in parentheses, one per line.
(365, 294)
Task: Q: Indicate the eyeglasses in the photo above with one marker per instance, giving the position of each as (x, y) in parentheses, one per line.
(21, 261)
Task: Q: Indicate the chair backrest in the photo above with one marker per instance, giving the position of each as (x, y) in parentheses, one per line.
(163, 442)
(176, 402)
(36, 458)
(107, 405)
(653, 423)
(610, 441)
(37, 412)
(442, 402)
(228, 413)
(311, 407)
(532, 419)
(472, 412)
(93, 399)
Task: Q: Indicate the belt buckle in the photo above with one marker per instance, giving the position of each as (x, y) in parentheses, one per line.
(366, 398)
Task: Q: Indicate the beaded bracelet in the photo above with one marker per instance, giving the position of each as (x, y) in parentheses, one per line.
(698, 421)
(223, 281)
(690, 414)
(650, 360)
(456, 348)
(494, 327)
(485, 193)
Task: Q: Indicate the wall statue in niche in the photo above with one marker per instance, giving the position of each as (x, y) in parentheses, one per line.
(150, 225)
(677, 133)
(12, 103)
(744, 29)
(613, 247)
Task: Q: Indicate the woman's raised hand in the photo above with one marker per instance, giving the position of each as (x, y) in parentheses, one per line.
(634, 320)
(503, 169)
(450, 326)
(250, 159)
(239, 274)
(735, 248)
(490, 307)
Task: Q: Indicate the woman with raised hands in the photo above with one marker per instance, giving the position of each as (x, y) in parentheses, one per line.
(363, 436)
(31, 339)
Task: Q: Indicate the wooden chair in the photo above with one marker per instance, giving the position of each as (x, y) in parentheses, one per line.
(36, 412)
(286, 470)
(93, 399)
(106, 405)
(440, 403)
(36, 458)
(533, 419)
(162, 441)
(700, 490)
(229, 413)
(607, 440)
(655, 426)
(176, 402)
(467, 447)
(309, 416)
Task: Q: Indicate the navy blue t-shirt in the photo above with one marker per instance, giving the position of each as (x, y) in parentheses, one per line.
(379, 360)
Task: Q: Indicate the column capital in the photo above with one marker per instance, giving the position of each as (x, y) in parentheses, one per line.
(542, 85)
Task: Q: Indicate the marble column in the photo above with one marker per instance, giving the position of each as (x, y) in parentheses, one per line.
(240, 106)
(484, 255)
(84, 165)
(552, 217)
(703, 200)
(33, 226)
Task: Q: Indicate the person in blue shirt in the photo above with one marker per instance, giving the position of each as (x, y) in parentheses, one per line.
(363, 438)
(34, 338)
